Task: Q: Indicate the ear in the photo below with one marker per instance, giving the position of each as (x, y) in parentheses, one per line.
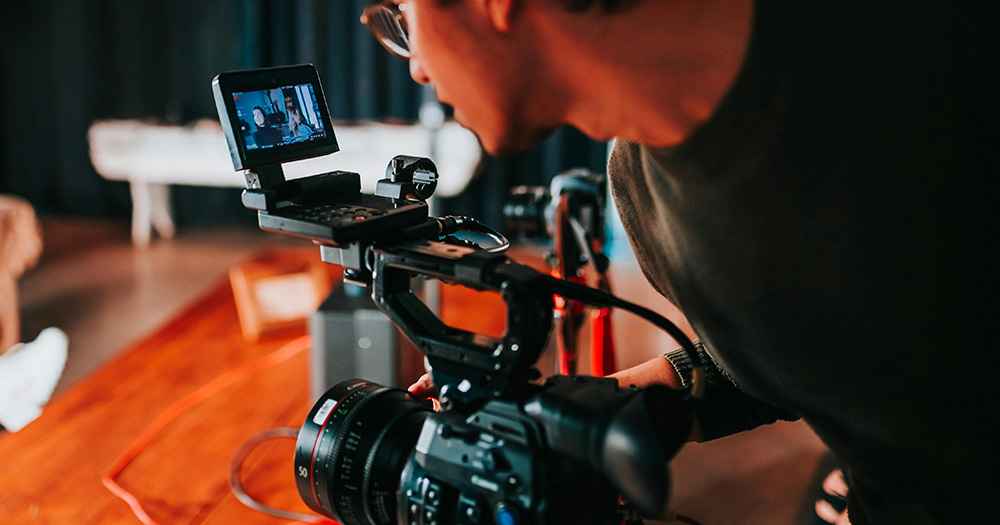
(501, 13)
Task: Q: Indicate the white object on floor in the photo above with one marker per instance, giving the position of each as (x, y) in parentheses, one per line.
(29, 373)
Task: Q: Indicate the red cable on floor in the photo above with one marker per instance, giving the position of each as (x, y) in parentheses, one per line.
(279, 356)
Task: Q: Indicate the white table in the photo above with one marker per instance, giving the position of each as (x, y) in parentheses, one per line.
(151, 157)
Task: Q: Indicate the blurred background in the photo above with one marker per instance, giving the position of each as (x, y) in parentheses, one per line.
(66, 65)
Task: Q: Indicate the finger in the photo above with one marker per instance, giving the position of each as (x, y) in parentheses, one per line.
(835, 483)
(827, 513)
(423, 387)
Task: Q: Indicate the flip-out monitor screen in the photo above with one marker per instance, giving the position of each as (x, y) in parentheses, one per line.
(273, 115)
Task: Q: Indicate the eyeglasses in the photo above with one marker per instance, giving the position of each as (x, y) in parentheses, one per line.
(386, 21)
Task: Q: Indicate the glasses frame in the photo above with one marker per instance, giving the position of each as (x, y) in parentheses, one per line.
(387, 23)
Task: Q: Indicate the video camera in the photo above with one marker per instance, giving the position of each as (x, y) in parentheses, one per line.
(504, 448)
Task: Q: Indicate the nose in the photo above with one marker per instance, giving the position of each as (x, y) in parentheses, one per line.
(417, 71)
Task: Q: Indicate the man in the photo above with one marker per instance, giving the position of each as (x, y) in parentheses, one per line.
(805, 182)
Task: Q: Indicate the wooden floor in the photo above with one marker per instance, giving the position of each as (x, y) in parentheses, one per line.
(106, 294)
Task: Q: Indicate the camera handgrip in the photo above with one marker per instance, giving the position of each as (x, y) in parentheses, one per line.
(628, 435)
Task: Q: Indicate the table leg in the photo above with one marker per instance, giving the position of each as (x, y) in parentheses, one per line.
(141, 212)
(160, 210)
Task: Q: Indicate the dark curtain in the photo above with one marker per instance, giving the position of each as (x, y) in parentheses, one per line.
(66, 63)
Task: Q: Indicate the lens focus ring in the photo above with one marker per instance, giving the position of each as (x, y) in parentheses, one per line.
(351, 450)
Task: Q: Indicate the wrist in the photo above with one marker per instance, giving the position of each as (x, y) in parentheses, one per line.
(657, 371)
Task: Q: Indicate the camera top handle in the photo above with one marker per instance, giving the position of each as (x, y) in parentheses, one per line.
(468, 366)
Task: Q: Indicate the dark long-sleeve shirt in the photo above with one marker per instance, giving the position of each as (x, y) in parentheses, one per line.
(827, 234)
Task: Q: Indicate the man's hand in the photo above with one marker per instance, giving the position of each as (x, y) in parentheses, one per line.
(835, 487)
(424, 387)
(657, 371)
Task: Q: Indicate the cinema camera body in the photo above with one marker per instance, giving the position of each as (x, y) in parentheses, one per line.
(504, 448)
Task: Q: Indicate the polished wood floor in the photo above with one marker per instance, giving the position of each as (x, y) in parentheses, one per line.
(105, 294)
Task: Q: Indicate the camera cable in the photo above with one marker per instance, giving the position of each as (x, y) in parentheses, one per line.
(445, 228)
(470, 224)
(237, 465)
(596, 297)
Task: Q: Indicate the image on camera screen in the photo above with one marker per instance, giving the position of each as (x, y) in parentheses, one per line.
(273, 118)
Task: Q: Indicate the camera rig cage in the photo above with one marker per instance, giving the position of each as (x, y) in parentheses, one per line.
(488, 386)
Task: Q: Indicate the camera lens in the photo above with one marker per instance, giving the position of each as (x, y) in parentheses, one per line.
(352, 448)
(524, 211)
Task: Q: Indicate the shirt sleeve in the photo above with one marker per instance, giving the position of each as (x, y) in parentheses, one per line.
(725, 409)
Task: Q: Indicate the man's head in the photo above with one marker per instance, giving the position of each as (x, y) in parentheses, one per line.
(478, 64)
(515, 70)
(491, 60)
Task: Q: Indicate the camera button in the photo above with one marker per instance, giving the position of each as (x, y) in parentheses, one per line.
(505, 516)
(433, 496)
(472, 512)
